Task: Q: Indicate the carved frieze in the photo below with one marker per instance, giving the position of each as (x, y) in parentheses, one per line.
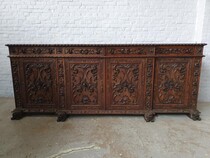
(129, 51)
(36, 50)
(175, 50)
(83, 51)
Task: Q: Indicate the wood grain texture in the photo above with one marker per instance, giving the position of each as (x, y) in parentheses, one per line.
(138, 79)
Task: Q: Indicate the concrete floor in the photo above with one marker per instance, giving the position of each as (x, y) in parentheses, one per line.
(173, 136)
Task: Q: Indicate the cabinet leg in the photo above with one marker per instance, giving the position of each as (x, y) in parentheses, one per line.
(62, 116)
(149, 117)
(17, 114)
(194, 115)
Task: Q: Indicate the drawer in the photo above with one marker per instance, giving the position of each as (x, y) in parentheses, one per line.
(82, 51)
(130, 51)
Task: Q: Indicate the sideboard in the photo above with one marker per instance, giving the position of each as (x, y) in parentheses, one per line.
(132, 79)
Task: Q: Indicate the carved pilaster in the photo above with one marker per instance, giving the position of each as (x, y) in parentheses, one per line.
(149, 115)
(149, 86)
(16, 82)
(61, 83)
(195, 82)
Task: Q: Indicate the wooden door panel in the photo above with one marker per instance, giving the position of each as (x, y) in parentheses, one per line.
(171, 83)
(125, 84)
(39, 84)
(85, 84)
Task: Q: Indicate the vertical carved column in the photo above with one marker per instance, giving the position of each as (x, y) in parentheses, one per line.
(17, 113)
(195, 114)
(61, 83)
(149, 115)
(62, 116)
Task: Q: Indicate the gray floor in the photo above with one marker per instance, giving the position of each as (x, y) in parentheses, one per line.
(170, 136)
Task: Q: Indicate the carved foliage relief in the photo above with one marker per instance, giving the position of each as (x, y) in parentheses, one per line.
(125, 83)
(171, 82)
(84, 84)
(61, 84)
(16, 82)
(84, 51)
(195, 84)
(149, 86)
(32, 50)
(39, 83)
(128, 51)
(176, 50)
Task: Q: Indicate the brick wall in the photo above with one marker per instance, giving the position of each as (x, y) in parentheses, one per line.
(204, 92)
(95, 21)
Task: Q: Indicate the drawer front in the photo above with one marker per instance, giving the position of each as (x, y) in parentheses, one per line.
(125, 85)
(85, 84)
(38, 78)
(82, 51)
(129, 51)
(32, 50)
(175, 50)
(172, 83)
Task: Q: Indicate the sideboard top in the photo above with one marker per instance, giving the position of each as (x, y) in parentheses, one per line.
(86, 45)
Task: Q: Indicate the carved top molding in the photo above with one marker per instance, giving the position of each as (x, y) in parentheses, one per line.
(143, 44)
(65, 50)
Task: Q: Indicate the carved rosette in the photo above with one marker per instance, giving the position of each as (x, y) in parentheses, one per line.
(149, 87)
(195, 84)
(199, 51)
(61, 83)
(125, 79)
(16, 82)
(84, 51)
(59, 50)
(180, 51)
(84, 84)
(39, 83)
(171, 82)
(13, 50)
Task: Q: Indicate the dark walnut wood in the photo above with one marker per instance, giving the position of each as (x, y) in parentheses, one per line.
(141, 79)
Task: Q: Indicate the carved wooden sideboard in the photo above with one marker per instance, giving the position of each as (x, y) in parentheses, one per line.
(138, 79)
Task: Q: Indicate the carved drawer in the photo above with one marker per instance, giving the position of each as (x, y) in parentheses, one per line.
(130, 51)
(83, 51)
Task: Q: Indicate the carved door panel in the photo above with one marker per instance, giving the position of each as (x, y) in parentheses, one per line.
(85, 83)
(39, 83)
(125, 84)
(172, 83)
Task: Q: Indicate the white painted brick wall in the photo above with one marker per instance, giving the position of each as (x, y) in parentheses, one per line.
(204, 92)
(94, 21)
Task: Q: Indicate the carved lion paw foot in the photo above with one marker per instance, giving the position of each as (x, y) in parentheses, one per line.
(62, 116)
(17, 114)
(195, 115)
(149, 117)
